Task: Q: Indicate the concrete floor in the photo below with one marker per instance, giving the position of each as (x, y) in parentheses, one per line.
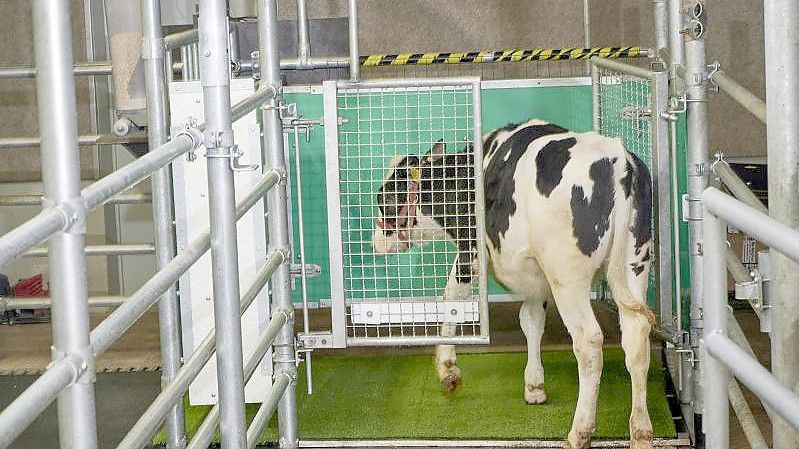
(123, 396)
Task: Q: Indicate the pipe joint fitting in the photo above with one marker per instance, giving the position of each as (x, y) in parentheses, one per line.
(77, 363)
(194, 134)
(216, 139)
(74, 212)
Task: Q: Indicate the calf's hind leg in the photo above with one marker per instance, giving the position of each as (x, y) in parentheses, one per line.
(532, 317)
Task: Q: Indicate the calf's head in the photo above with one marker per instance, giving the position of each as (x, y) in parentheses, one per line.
(400, 222)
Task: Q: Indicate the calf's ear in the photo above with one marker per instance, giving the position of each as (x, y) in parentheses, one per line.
(438, 150)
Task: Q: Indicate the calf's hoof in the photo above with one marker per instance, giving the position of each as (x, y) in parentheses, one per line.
(579, 439)
(535, 394)
(451, 383)
(641, 439)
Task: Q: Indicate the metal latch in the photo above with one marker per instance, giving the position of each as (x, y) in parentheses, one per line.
(757, 292)
(315, 340)
(312, 270)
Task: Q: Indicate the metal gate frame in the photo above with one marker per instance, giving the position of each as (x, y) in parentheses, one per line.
(339, 305)
(663, 179)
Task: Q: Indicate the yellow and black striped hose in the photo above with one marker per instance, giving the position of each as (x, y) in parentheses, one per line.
(536, 54)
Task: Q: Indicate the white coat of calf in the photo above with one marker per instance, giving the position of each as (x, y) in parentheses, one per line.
(559, 206)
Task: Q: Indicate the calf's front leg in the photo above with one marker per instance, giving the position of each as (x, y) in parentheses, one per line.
(446, 359)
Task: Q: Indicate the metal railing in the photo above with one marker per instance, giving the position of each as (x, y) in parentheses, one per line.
(723, 355)
(62, 221)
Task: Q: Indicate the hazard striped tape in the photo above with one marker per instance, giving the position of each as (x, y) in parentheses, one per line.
(536, 54)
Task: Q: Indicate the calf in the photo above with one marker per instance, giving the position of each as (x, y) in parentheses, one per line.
(558, 207)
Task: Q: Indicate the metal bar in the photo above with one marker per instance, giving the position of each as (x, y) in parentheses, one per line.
(278, 218)
(754, 223)
(355, 64)
(742, 95)
(306, 325)
(31, 233)
(257, 98)
(745, 417)
(526, 444)
(477, 148)
(202, 438)
(111, 328)
(139, 436)
(587, 30)
(416, 341)
(81, 69)
(219, 141)
(738, 337)
(303, 38)
(617, 66)
(676, 49)
(55, 83)
(104, 189)
(737, 187)
(596, 111)
(661, 167)
(25, 142)
(101, 250)
(758, 379)
(737, 269)
(660, 12)
(696, 159)
(44, 302)
(782, 141)
(36, 200)
(418, 82)
(22, 411)
(716, 378)
(163, 210)
(267, 409)
(180, 39)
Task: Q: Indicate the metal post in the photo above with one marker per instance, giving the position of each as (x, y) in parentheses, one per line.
(278, 218)
(659, 9)
(355, 61)
(596, 92)
(303, 38)
(676, 44)
(782, 138)
(61, 174)
(716, 415)
(661, 158)
(697, 157)
(168, 308)
(587, 30)
(215, 78)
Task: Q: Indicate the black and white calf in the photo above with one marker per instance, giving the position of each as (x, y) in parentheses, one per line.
(559, 206)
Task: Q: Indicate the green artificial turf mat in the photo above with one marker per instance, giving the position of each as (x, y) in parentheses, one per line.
(384, 397)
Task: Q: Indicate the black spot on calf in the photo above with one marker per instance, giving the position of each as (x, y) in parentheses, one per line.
(499, 177)
(549, 164)
(627, 180)
(591, 218)
(642, 204)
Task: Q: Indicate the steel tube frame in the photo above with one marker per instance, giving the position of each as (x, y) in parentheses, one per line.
(32, 232)
(44, 302)
(303, 37)
(745, 417)
(22, 411)
(36, 200)
(111, 328)
(740, 94)
(163, 210)
(219, 141)
(716, 378)
(82, 69)
(180, 39)
(55, 81)
(278, 217)
(697, 165)
(617, 66)
(659, 9)
(676, 43)
(355, 59)
(267, 408)
(171, 393)
(737, 187)
(760, 226)
(101, 250)
(25, 142)
(782, 138)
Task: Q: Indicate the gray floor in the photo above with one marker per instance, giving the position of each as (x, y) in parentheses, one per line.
(121, 399)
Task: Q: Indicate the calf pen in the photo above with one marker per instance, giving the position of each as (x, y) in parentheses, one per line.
(630, 103)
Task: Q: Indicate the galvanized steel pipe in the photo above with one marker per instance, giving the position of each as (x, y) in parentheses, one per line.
(83, 69)
(742, 95)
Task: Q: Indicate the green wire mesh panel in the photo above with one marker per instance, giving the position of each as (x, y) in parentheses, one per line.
(399, 294)
(625, 112)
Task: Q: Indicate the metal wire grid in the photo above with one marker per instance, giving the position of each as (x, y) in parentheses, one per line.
(400, 295)
(486, 71)
(625, 111)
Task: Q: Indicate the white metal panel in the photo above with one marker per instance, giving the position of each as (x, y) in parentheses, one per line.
(191, 219)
